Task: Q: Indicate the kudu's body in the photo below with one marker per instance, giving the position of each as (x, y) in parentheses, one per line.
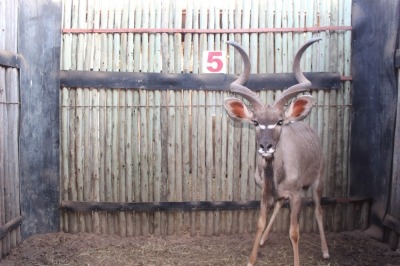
(289, 156)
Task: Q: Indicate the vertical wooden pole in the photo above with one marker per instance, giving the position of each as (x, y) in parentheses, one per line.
(39, 41)
(3, 136)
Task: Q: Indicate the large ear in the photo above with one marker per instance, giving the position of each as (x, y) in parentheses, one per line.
(237, 110)
(299, 108)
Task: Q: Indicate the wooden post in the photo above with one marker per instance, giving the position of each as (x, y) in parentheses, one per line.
(39, 42)
(374, 97)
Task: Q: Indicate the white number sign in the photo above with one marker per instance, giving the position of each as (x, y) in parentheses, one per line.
(214, 62)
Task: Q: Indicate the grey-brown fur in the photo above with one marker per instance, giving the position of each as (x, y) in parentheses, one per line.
(289, 156)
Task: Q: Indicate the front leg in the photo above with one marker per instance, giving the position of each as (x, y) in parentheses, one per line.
(262, 219)
(277, 207)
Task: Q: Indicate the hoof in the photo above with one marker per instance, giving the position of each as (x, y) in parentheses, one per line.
(325, 256)
(249, 264)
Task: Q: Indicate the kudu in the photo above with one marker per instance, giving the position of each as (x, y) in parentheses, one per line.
(289, 156)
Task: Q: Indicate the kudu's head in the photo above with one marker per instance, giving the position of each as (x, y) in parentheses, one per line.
(270, 119)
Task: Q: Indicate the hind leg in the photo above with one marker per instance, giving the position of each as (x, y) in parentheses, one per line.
(317, 194)
(295, 207)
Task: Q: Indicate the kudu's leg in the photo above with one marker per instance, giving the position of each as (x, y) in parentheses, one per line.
(317, 194)
(265, 235)
(295, 206)
(262, 220)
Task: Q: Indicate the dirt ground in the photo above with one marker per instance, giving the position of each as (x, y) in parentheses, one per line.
(347, 248)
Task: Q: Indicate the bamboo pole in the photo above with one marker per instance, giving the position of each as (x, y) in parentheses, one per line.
(335, 121)
(122, 147)
(325, 8)
(95, 129)
(115, 169)
(86, 18)
(146, 126)
(64, 155)
(202, 158)
(255, 54)
(95, 175)
(201, 121)
(223, 122)
(101, 52)
(108, 156)
(218, 160)
(3, 159)
(186, 119)
(157, 156)
(121, 44)
(73, 165)
(129, 194)
(220, 45)
(87, 158)
(151, 109)
(164, 117)
(194, 123)
(157, 159)
(103, 173)
(230, 128)
(12, 92)
(136, 160)
(130, 153)
(347, 105)
(137, 68)
(245, 142)
(281, 219)
(171, 159)
(209, 160)
(194, 155)
(144, 167)
(177, 40)
(178, 158)
(73, 218)
(65, 64)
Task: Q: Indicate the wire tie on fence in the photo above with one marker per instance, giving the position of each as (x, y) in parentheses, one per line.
(9, 103)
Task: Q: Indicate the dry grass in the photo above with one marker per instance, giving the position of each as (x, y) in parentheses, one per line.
(352, 248)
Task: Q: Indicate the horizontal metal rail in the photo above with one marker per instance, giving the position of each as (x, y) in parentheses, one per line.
(10, 59)
(214, 82)
(210, 31)
(76, 206)
(11, 225)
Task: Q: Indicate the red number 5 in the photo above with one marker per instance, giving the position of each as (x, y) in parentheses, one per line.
(214, 61)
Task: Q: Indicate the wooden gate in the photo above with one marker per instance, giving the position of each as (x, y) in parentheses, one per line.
(375, 103)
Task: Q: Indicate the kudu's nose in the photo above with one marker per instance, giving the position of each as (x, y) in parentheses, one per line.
(269, 146)
(266, 150)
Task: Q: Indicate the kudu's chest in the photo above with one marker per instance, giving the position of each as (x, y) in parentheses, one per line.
(296, 163)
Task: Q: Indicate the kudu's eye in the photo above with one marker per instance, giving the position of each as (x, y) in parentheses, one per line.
(255, 122)
(279, 123)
